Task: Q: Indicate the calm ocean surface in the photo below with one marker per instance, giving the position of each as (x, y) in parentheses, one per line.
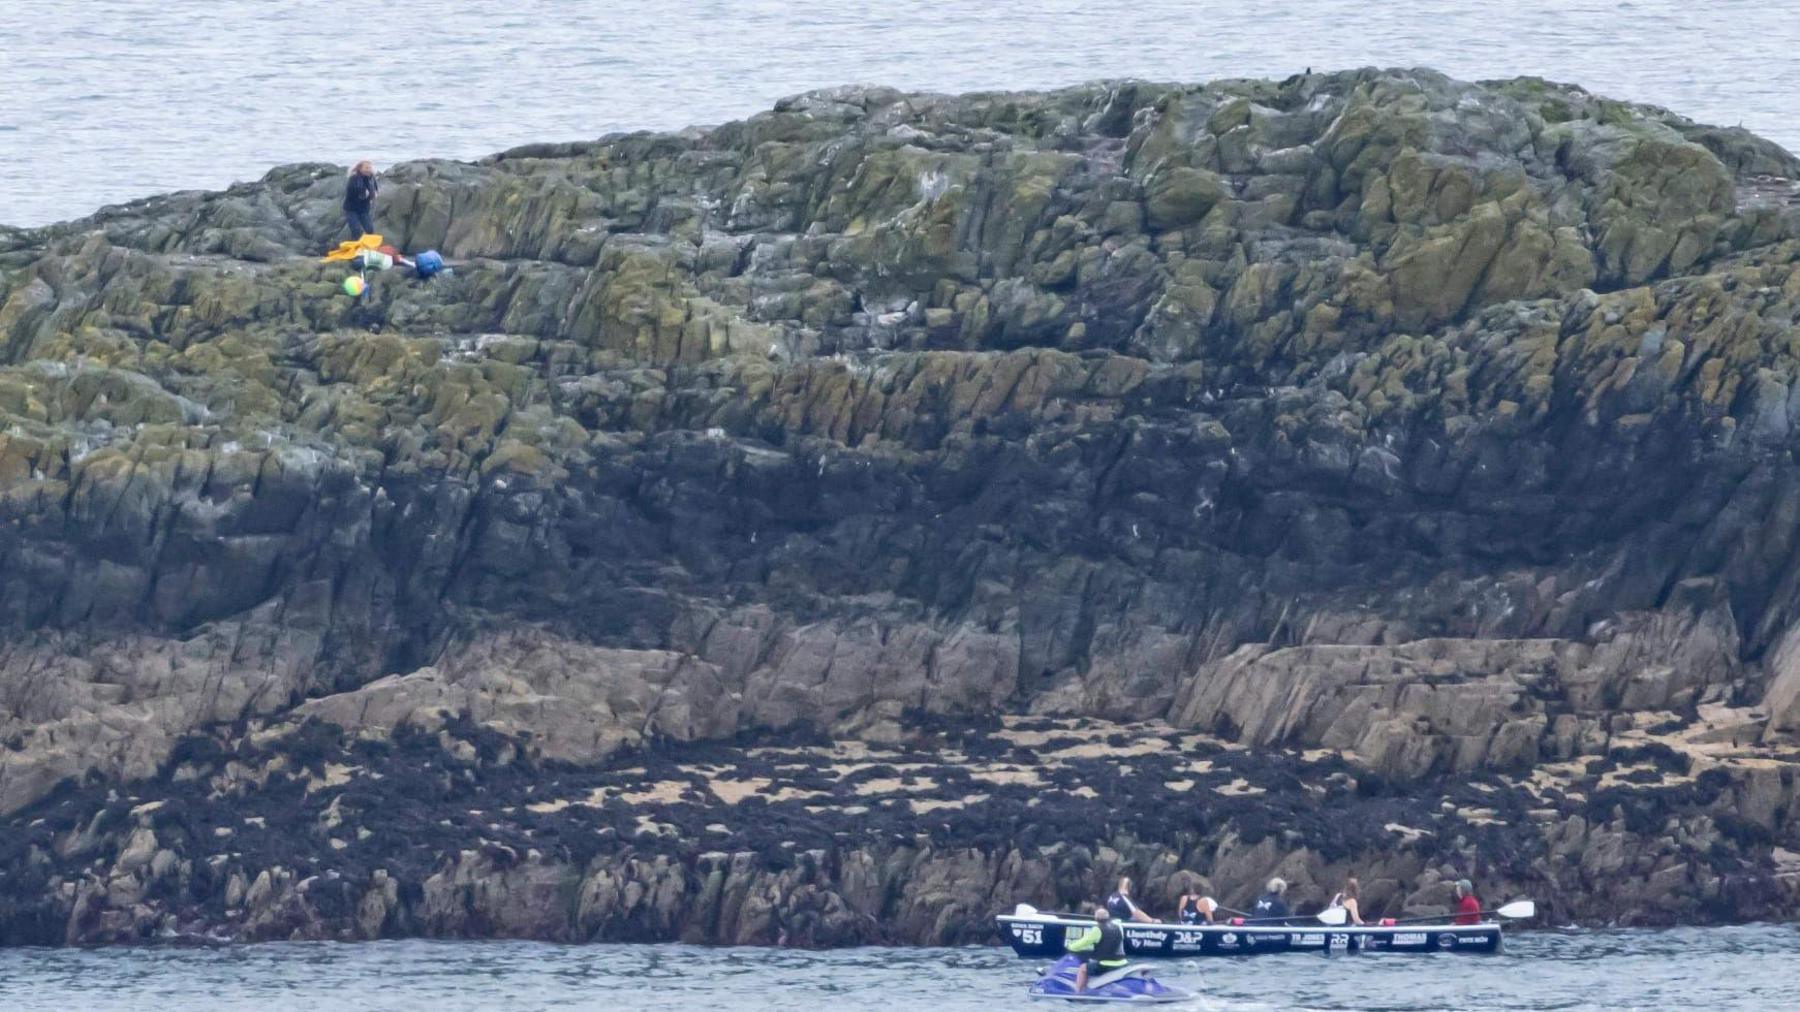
(106, 100)
(1731, 968)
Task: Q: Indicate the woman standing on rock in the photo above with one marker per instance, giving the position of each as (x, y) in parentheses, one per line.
(359, 198)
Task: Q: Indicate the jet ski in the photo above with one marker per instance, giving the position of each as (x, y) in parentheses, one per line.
(1132, 983)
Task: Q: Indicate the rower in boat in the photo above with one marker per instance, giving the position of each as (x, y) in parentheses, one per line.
(1270, 906)
(1194, 908)
(1036, 935)
(1119, 904)
(1468, 905)
(1351, 900)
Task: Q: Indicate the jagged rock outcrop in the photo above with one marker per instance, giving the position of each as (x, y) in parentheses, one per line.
(1444, 427)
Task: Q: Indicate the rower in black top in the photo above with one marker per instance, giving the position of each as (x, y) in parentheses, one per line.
(1270, 906)
(1119, 904)
(1194, 908)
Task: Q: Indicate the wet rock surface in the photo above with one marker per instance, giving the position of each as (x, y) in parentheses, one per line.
(1417, 452)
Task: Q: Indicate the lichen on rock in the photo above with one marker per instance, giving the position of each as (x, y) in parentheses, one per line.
(1414, 448)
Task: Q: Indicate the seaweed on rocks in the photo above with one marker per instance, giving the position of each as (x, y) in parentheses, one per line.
(420, 817)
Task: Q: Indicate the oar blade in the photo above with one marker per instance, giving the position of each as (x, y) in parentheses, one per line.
(1518, 910)
(1334, 916)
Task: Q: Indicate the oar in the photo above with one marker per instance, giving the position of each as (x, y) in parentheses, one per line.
(1517, 910)
(1248, 918)
(1336, 916)
(1332, 916)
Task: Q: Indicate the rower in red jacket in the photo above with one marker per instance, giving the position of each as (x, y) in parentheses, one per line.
(1468, 907)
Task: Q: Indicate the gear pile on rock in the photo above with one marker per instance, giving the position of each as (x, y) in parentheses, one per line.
(839, 525)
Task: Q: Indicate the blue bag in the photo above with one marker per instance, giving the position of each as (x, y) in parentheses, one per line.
(428, 263)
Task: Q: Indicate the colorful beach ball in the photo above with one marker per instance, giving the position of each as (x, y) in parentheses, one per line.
(353, 286)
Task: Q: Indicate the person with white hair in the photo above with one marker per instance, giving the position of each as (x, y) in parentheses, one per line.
(1270, 905)
(1468, 905)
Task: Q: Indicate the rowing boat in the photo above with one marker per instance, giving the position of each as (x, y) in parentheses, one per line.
(1041, 936)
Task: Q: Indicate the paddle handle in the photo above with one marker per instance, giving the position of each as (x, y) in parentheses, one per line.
(1239, 913)
(1497, 912)
(1249, 919)
(1265, 920)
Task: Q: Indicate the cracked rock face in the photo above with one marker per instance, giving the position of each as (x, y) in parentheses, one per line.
(1434, 437)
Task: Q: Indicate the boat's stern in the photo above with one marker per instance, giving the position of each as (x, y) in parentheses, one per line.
(1033, 935)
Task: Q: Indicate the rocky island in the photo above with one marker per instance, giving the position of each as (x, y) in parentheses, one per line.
(837, 526)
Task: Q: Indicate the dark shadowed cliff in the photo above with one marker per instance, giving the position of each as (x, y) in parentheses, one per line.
(841, 524)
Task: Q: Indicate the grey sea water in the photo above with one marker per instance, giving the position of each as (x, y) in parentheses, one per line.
(1733, 968)
(106, 100)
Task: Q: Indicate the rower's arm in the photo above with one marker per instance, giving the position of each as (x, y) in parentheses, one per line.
(1084, 941)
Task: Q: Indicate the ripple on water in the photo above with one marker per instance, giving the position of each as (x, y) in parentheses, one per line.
(1729, 968)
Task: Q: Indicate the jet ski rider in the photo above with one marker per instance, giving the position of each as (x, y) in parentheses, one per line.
(1105, 945)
